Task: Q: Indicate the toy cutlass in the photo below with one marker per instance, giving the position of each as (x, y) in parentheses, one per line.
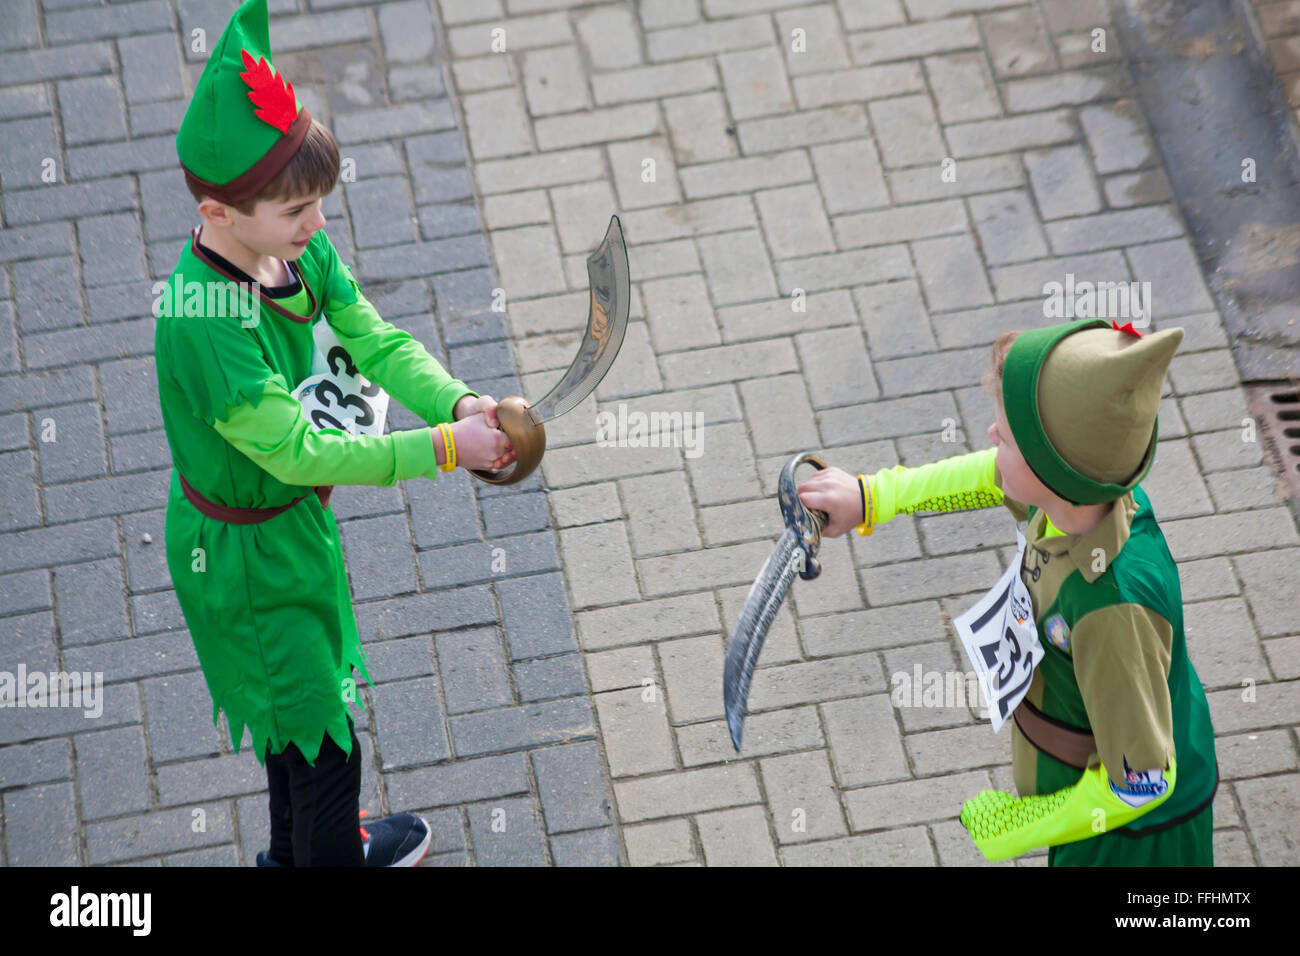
(610, 287)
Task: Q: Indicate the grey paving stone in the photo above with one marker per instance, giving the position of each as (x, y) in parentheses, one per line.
(112, 250)
(196, 781)
(135, 657)
(486, 561)
(536, 616)
(512, 515)
(550, 678)
(449, 219)
(46, 300)
(151, 66)
(39, 762)
(445, 147)
(570, 782)
(156, 611)
(75, 445)
(41, 827)
(30, 158)
(422, 613)
(161, 831)
(92, 110)
(180, 722)
(80, 500)
(161, 117)
(43, 547)
(409, 723)
(70, 201)
(379, 556)
(507, 833)
(112, 772)
(400, 659)
(529, 725)
(473, 669)
(26, 591)
(459, 782)
(73, 59)
(588, 848)
(143, 451)
(90, 602)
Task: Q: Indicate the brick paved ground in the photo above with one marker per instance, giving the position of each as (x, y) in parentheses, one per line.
(743, 170)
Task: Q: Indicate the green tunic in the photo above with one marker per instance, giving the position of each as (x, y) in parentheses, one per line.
(268, 605)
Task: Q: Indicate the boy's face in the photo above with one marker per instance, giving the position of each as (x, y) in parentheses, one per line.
(1018, 480)
(280, 229)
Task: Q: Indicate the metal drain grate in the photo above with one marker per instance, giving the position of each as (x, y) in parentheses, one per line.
(1276, 406)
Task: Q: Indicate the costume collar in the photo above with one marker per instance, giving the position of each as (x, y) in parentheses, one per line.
(1109, 536)
(203, 256)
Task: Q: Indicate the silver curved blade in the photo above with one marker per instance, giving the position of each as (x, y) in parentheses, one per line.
(610, 285)
(761, 604)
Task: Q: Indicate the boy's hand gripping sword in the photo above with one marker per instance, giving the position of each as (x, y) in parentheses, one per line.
(795, 552)
(607, 279)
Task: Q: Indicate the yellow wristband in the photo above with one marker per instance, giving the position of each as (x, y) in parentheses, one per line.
(868, 522)
(449, 445)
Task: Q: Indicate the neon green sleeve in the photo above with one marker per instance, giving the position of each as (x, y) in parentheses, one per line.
(386, 355)
(277, 436)
(1004, 826)
(953, 484)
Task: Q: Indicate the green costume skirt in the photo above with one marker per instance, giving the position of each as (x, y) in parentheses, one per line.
(270, 614)
(1190, 843)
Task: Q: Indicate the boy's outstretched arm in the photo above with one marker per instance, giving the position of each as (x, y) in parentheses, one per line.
(958, 483)
(386, 355)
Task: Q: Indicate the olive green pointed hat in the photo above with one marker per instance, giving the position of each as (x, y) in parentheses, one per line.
(1082, 400)
(244, 123)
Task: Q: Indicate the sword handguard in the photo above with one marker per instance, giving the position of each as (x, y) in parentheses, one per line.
(528, 439)
(807, 523)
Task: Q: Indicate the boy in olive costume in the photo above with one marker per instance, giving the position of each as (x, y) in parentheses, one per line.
(1112, 746)
(252, 547)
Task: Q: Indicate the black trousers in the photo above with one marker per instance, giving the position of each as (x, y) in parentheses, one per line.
(314, 810)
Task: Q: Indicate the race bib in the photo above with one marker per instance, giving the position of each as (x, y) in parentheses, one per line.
(335, 395)
(1001, 640)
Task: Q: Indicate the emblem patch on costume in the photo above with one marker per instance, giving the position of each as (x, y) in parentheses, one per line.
(1140, 788)
(1057, 632)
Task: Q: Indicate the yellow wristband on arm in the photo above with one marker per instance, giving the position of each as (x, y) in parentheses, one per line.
(868, 506)
(449, 444)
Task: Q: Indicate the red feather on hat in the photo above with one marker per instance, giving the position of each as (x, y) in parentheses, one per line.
(1125, 328)
(271, 92)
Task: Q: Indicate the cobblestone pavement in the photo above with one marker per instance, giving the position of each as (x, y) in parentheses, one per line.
(910, 172)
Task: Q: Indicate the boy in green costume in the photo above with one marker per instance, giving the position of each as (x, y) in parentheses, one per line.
(1112, 746)
(259, 575)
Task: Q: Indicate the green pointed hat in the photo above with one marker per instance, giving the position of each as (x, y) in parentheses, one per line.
(1082, 400)
(244, 123)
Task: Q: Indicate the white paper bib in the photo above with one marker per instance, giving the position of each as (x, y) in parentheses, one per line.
(336, 395)
(1001, 640)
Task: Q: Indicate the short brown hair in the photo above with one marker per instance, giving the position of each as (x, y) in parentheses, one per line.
(991, 380)
(313, 169)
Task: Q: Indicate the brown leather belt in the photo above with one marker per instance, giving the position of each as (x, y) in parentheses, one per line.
(1070, 745)
(246, 515)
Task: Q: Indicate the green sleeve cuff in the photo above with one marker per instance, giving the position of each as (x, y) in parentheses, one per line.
(1004, 826)
(953, 484)
(415, 453)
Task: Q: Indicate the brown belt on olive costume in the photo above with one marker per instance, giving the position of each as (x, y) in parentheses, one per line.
(1070, 745)
(246, 515)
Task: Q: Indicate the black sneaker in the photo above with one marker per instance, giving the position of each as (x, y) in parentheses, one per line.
(400, 840)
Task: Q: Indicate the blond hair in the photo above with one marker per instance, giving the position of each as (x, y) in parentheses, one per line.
(991, 380)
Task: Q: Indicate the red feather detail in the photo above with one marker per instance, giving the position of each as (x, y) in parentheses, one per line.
(270, 92)
(1125, 328)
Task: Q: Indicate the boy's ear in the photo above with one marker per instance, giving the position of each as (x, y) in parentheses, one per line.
(215, 212)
